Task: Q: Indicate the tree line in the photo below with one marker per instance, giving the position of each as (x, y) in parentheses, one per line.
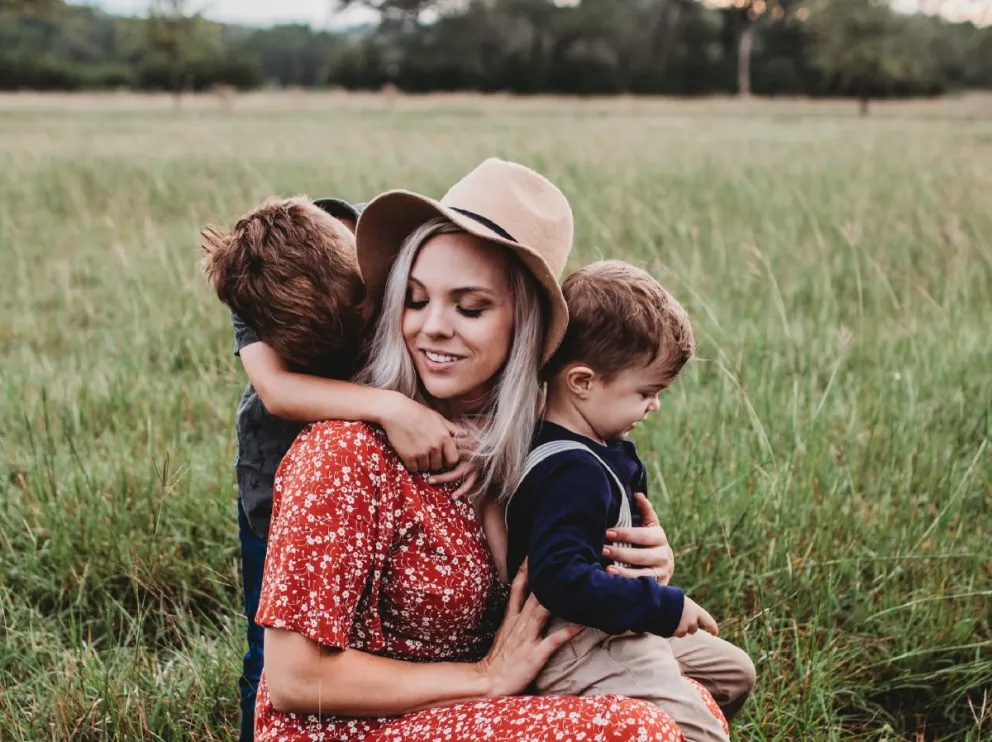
(858, 48)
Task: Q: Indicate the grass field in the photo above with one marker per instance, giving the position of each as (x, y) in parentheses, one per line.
(823, 470)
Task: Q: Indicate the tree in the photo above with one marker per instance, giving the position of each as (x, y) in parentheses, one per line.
(172, 27)
(978, 12)
(868, 50)
(742, 18)
(30, 6)
(292, 54)
(395, 12)
(673, 47)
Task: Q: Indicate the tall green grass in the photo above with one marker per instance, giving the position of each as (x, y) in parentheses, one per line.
(823, 469)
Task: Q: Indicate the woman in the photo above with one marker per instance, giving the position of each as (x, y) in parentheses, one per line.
(381, 598)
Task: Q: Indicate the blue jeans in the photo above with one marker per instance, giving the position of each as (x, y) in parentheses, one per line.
(252, 565)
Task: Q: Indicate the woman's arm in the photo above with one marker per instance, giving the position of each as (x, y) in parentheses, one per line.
(492, 515)
(305, 678)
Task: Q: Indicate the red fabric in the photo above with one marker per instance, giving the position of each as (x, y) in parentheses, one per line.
(364, 555)
(711, 704)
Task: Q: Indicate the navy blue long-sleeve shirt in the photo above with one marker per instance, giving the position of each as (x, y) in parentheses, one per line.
(558, 519)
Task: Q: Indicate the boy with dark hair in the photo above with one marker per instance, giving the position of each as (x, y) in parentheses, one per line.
(627, 340)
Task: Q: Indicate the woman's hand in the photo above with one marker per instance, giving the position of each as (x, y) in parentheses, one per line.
(654, 558)
(520, 650)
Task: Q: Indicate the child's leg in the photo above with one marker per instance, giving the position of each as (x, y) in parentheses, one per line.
(252, 565)
(722, 668)
(638, 666)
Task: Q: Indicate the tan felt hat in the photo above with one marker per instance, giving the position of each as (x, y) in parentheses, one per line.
(502, 202)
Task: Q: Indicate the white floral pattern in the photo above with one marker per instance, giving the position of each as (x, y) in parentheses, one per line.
(364, 555)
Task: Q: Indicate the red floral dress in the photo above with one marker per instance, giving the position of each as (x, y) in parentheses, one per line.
(366, 556)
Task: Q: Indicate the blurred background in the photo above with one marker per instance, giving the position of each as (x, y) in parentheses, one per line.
(857, 48)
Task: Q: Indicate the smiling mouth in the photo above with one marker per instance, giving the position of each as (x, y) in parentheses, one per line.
(440, 359)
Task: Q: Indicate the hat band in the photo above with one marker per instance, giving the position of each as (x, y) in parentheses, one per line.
(486, 223)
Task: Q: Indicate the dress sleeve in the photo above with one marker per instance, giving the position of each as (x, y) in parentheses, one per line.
(331, 531)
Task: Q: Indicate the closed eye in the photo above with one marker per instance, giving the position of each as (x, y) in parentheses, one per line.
(412, 304)
(470, 313)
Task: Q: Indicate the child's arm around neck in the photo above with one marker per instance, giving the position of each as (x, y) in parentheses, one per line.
(422, 438)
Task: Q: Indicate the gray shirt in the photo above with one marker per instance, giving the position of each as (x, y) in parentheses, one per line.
(263, 440)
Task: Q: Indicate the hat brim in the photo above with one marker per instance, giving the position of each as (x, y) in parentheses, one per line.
(388, 219)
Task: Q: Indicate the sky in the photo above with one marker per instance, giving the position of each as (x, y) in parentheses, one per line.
(319, 13)
(249, 12)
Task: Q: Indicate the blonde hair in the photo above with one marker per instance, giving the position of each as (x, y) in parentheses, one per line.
(503, 430)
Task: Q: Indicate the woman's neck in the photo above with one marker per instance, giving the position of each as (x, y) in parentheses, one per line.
(454, 409)
(466, 405)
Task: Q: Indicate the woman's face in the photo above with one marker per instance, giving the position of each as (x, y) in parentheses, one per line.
(458, 320)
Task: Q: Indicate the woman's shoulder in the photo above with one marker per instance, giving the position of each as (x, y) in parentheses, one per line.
(341, 440)
(332, 469)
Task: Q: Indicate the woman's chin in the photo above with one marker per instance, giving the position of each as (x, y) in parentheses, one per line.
(457, 399)
(443, 385)
(440, 392)
(442, 389)
(452, 395)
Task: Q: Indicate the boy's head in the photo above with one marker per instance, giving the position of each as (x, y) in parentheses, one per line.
(289, 270)
(627, 340)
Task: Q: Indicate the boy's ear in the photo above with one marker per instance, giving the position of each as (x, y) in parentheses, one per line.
(580, 380)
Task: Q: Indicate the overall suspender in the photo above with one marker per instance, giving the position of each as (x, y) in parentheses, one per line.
(547, 450)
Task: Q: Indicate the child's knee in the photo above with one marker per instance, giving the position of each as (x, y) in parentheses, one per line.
(733, 681)
(743, 676)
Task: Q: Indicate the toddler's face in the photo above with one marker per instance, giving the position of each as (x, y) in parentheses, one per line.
(614, 408)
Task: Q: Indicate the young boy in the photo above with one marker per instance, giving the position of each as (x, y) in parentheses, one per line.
(627, 341)
(289, 273)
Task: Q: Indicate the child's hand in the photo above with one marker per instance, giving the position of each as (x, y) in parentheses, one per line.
(468, 470)
(695, 618)
(424, 440)
(466, 474)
